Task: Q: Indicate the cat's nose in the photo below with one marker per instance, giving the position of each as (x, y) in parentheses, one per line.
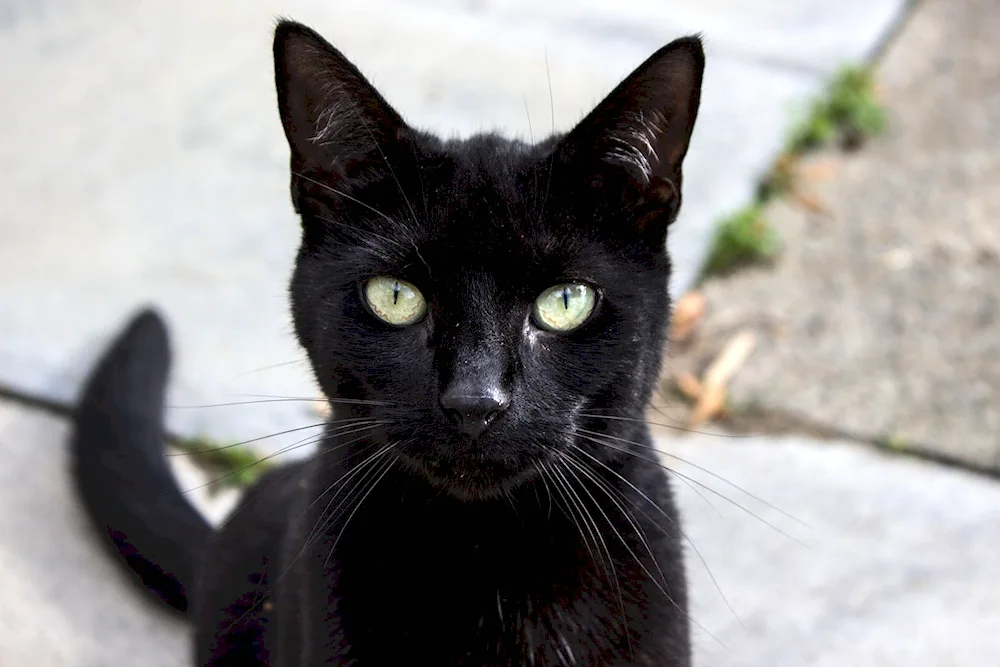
(473, 413)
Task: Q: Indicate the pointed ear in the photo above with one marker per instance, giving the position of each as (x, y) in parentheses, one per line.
(635, 140)
(335, 121)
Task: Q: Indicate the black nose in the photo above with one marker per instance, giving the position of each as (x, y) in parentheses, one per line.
(472, 413)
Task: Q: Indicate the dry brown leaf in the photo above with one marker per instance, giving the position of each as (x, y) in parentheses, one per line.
(688, 311)
(713, 386)
(711, 402)
(735, 353)
(820, 170)
(689, 385)
(810, 202)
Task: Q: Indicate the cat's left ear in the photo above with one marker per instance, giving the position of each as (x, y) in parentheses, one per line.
(635, 140)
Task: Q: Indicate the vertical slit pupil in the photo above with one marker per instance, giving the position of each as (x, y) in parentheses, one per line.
(395, 293)
(565, 296)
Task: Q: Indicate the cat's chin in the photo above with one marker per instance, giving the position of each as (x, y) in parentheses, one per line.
(469, 479)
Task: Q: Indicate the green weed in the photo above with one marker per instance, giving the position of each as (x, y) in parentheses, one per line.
(232, 465)
(741, 239)
(848, 113)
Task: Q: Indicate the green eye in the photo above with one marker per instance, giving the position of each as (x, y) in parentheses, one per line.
(395, 301)
(564, 307)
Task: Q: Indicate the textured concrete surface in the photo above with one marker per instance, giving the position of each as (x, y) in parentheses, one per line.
(887, 561)
(883, 316)
(143, 159)
(895, 566)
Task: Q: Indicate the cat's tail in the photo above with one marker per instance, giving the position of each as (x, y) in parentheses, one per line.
(121, 473)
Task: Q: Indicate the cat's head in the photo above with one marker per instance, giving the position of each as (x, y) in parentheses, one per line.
(482, 299)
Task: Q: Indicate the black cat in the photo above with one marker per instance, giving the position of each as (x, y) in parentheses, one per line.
(486, 318)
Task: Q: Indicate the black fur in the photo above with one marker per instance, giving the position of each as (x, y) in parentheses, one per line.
(550, 538)
(125, 482)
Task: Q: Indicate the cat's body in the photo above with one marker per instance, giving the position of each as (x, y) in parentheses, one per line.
(485, 492)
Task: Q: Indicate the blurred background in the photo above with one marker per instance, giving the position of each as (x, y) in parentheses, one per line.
(831, 403)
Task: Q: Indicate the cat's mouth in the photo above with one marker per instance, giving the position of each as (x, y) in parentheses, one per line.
(471, 475)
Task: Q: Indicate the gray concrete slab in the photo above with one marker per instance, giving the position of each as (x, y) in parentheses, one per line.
(816, 35)
(895, 566)
(883, 316)
(143, 160)
(888, 561)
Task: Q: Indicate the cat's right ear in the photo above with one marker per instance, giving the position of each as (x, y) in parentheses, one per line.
(336, 123)
(634, 142)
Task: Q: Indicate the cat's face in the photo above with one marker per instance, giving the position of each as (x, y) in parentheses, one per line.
(485, 299)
